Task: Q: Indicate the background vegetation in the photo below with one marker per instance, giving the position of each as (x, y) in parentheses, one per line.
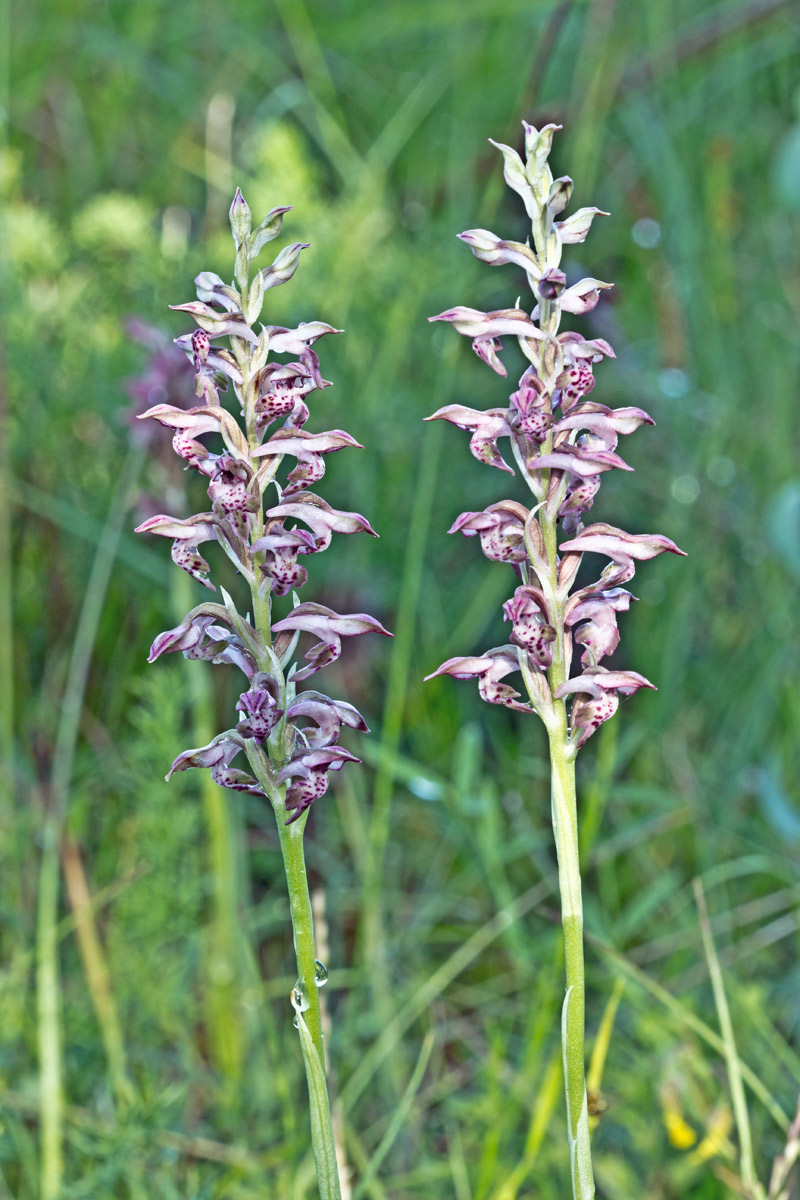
(126, 127)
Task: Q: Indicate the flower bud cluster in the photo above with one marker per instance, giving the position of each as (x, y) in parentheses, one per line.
(290, 740)
(562, 442)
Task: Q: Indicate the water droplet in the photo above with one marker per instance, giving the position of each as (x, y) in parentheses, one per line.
(320, 973)
(300, 1000)
(296, 1021)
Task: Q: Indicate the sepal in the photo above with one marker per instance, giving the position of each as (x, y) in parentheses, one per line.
(487, 427)
(329, 627)
(218, 756)
(269, 229)
(489, 669)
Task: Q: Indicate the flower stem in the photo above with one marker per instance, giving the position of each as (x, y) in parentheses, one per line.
(565, 829)
(309, 1018)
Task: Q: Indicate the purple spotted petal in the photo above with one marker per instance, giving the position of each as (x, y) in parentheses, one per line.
(530, 628)
(259, 706)
(309, 774)
(599, 634)
(597, 694)
(488, 350)
(188, 535)
(501, 528)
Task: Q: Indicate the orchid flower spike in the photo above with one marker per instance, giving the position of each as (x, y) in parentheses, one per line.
(288, 740)
(263, 538)
(562, 442)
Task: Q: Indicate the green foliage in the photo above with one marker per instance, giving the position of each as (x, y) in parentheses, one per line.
(129, 126)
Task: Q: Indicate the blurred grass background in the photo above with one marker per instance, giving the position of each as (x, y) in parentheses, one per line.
(125, 129)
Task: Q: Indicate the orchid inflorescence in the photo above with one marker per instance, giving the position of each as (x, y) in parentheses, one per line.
(290, 740)
(562, 443)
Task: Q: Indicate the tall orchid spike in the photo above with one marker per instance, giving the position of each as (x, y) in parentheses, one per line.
(563, 443)
(263, 537)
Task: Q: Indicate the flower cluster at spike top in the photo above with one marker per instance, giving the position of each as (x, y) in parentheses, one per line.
(289, 739)
(562, 442)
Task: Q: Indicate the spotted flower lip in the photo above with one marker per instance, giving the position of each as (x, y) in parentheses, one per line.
(259, 708)
(597, 696)
(596, 616)
(192, 423)
(307, 777)
(488, 351)
(501, 528)
(282, 547)
(188, 535)
(526, 611)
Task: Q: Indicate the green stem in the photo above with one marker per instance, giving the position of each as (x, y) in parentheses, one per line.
(48, 998)
(309, 1018)
(565, 829)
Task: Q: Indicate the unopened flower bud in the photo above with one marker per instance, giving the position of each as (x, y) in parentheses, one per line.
(538, 144)
(560, 193)
(240, 218)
